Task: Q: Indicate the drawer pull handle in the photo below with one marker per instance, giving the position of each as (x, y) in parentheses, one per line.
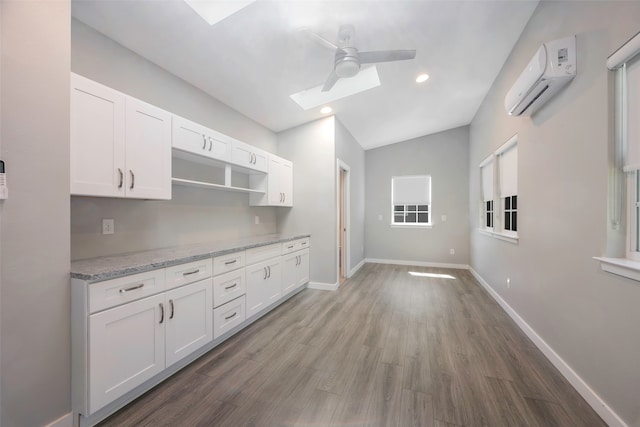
(303, 243)
(290, 247)
(232, 316)
(231, 287)
(161, 313)
(132, 288)
(233, 261)
(172, 309)
(189, 273)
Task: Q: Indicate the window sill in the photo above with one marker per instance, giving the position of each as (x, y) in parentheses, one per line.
(621, 267)
(411, 225)
(500, 236)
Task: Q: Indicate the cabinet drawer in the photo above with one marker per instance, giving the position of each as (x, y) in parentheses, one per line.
(190, 272)
(295, 245)
(229, 262)
(263, 253)
(228, 286)
(111, 293)
(227, 316)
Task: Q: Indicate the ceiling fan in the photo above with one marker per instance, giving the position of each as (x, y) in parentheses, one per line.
(347, 58)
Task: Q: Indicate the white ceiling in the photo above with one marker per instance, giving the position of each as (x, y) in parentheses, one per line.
(254, 59)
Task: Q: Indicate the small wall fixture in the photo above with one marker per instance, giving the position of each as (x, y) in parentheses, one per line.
(422, 78)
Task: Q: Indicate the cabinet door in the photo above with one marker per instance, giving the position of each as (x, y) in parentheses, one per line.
(189, 319)
(258, 292)
(302, 271)
(126, 348)
(248, 156)
(189, 136)
(274, 280)
(97, 139)
(289, 273)
(148, 151)
(274, 188)
(286, 182)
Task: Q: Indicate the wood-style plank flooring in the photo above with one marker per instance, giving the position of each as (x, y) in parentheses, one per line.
(387, 349)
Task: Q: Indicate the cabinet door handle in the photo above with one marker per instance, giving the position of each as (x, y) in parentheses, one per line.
(290, 247)
(226, 288)
(265, 273)
(133, 180)
(284, 197)
(189, 273)
(132, 288)
(172, 309)
(210, 143)
(269, 272)
(297, 260)
(232, 316)
(233, 261)
(161, 313)
(204, 140)
(121, 178)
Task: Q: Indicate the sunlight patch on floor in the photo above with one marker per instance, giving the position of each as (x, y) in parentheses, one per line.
(434, 275)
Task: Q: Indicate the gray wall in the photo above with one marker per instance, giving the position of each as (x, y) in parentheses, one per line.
(350, 152)
(588, 317)
(444, 156)
(311, 148)
(193, 215)
(34, 221)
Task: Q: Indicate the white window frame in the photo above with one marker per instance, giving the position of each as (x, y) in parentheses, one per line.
(498, 230)
(490, 160)
(429, 211)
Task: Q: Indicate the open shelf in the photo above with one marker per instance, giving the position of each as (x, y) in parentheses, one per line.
(200, 184)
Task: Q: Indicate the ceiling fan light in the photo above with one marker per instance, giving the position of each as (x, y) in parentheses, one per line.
(347, 68)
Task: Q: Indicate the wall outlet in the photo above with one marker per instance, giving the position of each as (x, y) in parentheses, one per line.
(508, 282)
(257, 219)
(452, 251)
(379, 217)
(444, 218)
(108, 226)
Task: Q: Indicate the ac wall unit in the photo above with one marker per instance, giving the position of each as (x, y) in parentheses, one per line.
(551, 68)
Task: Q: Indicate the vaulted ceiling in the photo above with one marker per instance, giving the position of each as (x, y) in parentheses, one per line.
(256, 58)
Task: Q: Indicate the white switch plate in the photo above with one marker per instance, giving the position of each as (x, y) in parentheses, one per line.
(108, 226)
(379, 217)
(257, 220)
(452, 251)
(444, 218)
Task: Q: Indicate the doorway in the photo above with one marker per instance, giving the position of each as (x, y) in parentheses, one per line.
(343, 221)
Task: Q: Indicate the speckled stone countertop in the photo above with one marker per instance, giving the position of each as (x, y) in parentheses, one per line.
(110, 267)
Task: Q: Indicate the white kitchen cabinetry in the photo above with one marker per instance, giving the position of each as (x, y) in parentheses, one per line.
(228, 316)
(263, 280)
(120, 146)
(193, 138)
(295, 270)
(126, 348)
(248, 156)
(277, 184)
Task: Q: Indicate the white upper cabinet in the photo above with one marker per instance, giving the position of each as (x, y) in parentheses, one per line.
(277, 184)
(120, 146)
(196, 139)
(97, 139)
(248, 156)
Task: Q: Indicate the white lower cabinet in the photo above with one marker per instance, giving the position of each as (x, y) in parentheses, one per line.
(263, 285)
(126, 348)
(189, 323)
(295, 270)
(228, 316)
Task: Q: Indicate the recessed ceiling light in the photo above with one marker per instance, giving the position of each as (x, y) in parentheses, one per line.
(215, 11)
(422, 78)
(326, 110)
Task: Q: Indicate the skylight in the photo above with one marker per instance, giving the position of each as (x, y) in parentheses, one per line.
(215, 11)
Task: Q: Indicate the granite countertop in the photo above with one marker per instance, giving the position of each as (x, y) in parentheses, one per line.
(111, 267)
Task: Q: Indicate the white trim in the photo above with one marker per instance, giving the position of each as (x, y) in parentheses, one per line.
(606, 413)
(620, 266)
(486, 161)
(347, 213)
(624, 53)
(355, 269)
(63, 421)
(507, 145)
(412, 225)
(416, 263)
(499, 236)
(323, 286)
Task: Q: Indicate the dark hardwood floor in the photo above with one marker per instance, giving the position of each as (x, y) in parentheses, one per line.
(387, 349)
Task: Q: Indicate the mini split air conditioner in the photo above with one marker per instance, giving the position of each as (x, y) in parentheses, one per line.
(551, 68)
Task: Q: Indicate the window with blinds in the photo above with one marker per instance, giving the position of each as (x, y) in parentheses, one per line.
(508, 184)
(486, 174)
(626, 63)
(411, 200)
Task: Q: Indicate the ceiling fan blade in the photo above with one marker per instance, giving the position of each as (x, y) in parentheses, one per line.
(320, 40)
(385, 56)
(331, 80)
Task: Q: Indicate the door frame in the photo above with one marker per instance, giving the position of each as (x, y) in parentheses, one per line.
(342, 166)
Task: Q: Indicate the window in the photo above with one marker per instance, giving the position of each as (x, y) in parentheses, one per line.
(499, 209)
(411, 200)
(508, 183)
(486, 173)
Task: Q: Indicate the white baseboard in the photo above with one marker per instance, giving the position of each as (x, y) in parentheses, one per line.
(63, 421)
(417, 263)
(606, 413)
(355, 269)
(323, 286)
